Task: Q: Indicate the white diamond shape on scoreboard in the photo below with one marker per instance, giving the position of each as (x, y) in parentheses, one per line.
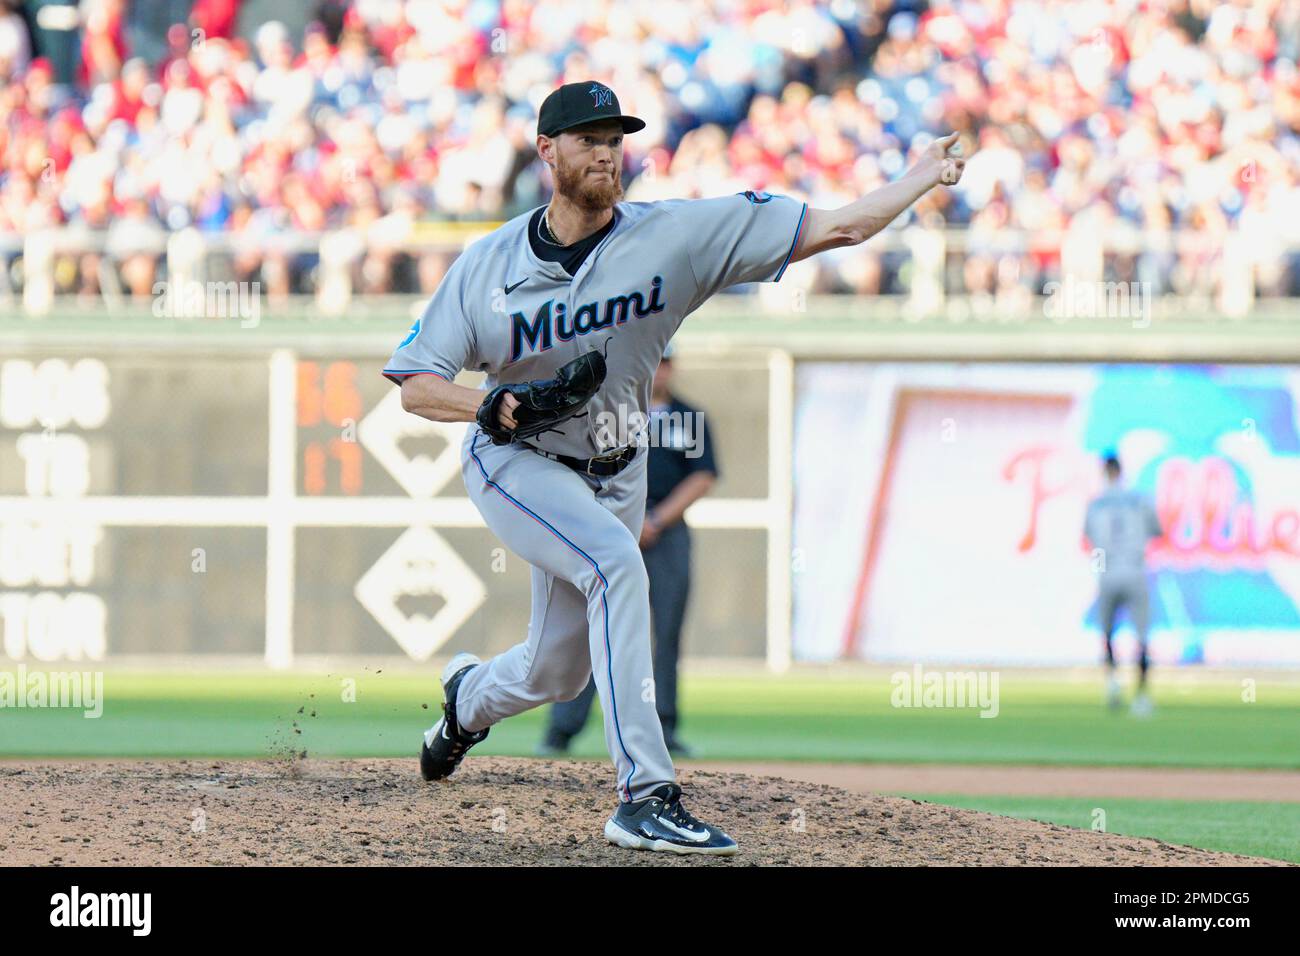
(420, 476)
(420, 563)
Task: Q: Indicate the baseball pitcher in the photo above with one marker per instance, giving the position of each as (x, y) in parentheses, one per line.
(568, 309)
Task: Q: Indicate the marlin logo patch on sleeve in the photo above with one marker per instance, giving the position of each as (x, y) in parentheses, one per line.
(415, 330)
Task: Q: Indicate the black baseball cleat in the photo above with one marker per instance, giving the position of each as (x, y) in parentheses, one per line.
(660, 822)
(445, 743)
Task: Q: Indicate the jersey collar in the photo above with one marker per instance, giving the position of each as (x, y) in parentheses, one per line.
(554, 270)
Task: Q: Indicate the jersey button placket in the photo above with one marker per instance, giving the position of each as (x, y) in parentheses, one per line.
(569, 311)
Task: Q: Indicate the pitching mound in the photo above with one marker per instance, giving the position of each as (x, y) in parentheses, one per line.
(493, 811)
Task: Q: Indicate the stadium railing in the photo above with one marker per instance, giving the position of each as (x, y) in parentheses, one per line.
(33, 279)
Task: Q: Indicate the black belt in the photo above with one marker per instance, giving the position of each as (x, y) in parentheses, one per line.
(602, 466)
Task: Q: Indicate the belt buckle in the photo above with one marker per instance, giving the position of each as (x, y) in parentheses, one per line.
(611, 456)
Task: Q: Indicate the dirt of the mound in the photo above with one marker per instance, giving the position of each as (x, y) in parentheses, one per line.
(495, 811)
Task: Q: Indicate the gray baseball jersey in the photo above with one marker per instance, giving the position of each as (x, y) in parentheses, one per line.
(505, 311)
(502, 310)
(1121, 522)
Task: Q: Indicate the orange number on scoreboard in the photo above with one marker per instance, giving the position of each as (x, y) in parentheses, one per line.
(330, 398)
(348, 454)
(313, 469)
(342, 400)
(309, 397)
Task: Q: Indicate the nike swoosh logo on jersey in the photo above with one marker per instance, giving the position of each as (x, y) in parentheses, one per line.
(511, 288)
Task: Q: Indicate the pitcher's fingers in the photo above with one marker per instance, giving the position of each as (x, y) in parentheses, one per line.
(506, 412)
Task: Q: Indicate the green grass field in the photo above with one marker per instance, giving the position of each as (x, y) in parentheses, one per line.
(1254, 829)
(808, 716)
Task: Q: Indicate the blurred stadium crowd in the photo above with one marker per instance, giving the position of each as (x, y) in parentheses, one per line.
(1160, 126)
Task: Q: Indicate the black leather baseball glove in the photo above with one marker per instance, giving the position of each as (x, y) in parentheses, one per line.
(543, 403)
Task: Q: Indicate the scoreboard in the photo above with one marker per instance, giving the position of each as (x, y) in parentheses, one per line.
(271, 503)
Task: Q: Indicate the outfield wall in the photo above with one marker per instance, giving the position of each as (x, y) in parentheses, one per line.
(203, 488)
(283, 504)
(953, 531)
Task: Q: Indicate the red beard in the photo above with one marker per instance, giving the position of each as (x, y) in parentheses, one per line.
(574, 185)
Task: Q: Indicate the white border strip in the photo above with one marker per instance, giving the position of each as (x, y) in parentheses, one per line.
(282, 478)
(780, 490)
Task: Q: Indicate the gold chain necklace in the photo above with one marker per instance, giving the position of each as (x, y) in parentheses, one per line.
(546, 224)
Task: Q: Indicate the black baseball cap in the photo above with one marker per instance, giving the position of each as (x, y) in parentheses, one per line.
(576, 104)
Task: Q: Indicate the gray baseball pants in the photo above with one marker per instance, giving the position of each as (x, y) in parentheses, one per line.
(1116, 590)
(668, 563)
(591, 605)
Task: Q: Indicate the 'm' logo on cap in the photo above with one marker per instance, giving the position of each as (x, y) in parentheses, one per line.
(602, 95)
